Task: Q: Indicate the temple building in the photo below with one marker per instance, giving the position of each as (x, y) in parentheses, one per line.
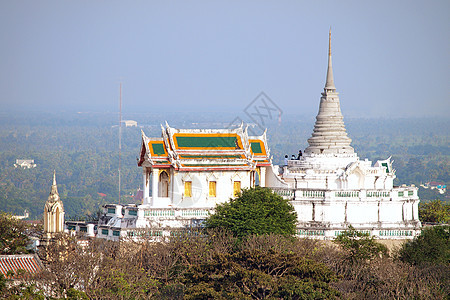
(53, 214)
(189, 172)
(186, 172)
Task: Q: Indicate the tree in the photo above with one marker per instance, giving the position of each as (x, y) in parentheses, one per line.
(13, 238)
(435, 211)
(359, 245)
(255, 211)
(261, 267)
(431, 246)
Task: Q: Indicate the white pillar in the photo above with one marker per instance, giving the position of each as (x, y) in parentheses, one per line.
(90, 230)
(146, 185)
(155, 176)
(262, 178)
(119, 211)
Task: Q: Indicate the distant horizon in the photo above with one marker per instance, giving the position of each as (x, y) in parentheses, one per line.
(389, 59)
(175, 118)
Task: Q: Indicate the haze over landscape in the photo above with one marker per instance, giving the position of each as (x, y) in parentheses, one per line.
(169, 200)
(390, 59)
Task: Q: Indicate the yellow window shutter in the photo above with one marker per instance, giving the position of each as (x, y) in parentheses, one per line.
(236, 188)
(212, 189)
(188, 188)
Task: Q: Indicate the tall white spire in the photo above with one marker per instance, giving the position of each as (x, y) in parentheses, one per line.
(329, 135)
(329, 85)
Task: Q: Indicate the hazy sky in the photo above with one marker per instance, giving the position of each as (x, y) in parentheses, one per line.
(390, 58)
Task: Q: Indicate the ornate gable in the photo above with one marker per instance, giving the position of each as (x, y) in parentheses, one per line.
(205, 149)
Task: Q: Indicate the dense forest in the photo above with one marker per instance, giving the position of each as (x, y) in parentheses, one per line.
(83, 150)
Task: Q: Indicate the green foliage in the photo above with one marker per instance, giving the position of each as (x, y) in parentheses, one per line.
(22, 291)
(255, 211)
(3, 282)
(217, 265)
(73, 294)
(13, 238)
(85, 158)
(359, 245)
(261, 267)
(82, 148)
(436, 211)
(431, 246)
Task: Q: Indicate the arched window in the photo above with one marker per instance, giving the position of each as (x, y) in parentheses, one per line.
(164, 184)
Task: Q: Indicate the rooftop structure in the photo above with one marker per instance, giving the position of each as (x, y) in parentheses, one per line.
(189, 172)
(25, 163)
(29, 263)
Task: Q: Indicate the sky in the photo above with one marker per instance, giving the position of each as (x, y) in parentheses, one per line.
(390, 58)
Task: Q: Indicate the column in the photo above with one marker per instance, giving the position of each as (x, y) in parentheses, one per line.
(262, 177)
(146, 186)
(155, 176)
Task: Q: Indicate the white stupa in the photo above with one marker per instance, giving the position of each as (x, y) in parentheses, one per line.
(331, 188)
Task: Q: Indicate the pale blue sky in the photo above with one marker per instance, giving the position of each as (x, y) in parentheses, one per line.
(390, 58)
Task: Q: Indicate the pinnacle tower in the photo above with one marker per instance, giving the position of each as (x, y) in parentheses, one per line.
(329, 135)
(53, 213)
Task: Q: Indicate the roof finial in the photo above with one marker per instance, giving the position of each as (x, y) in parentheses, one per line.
(329, 85)
(54, 177)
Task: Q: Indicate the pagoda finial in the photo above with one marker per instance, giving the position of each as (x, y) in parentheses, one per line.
(329, 42)
(54, 196)
(329, 85)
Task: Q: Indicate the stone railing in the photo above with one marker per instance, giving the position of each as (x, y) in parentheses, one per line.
(306, 194)
(159, 213)
(177, 212)
(195, 213)
(347, 194)
(313, 193)
(404, 192)
(378, 194)
(286, 193)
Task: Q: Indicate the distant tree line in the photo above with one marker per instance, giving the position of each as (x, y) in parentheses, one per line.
(83, 149)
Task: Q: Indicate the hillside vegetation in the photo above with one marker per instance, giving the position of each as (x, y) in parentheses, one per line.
(83, 149)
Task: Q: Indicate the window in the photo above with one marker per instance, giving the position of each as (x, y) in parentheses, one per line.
(111, 210)
(188, 188)
(116, 233)
(236, 188)
(212, 188)
(105, 231)
(132, 212)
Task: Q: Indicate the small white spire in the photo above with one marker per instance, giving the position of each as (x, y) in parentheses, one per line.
(54, 177)
(329, 85)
